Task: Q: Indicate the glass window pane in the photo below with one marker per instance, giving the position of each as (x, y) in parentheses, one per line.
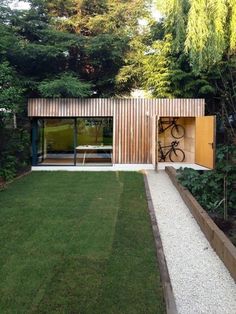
(58, 142)
(40, 140)
(94, 140)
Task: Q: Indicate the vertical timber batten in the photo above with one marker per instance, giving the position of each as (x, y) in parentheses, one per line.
(132, 119)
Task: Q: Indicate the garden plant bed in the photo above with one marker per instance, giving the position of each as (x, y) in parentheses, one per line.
(228, 227)
(77, 242)
(20, 174)
(218, 240)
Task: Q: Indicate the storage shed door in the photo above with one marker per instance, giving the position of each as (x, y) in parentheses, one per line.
(205, 141)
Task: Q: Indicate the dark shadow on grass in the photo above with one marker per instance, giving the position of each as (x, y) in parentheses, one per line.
(131, 283)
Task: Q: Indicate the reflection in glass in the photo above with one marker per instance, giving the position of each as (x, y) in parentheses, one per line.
(58, 141)
(62, 141)
(94, 140)
(40, 130)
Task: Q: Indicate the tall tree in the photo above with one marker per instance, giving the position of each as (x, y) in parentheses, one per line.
(201, 59)
(69, 48)
(206, 38)
(109, 28)
(175, 19)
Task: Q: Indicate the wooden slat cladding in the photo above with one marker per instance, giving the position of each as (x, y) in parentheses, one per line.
(73, 107)
(132, 138)
(69, 107)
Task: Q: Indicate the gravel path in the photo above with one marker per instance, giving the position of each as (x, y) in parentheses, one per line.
(200, 281)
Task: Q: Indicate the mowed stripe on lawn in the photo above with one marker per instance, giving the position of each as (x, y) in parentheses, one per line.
(77, 243)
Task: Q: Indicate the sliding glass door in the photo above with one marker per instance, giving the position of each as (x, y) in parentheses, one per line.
(72, 141)
(40, 141)
(94, 141)
(57, 142)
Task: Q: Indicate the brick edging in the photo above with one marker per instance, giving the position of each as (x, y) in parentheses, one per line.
(164, 273)
(218, 240)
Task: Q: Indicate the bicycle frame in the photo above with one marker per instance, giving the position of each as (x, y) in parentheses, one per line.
(163, 154)
(162, 128)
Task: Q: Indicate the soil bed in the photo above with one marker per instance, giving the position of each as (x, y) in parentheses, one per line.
(227, 226)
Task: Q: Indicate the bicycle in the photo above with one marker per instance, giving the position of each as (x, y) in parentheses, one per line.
(177, 130)
(175, 154)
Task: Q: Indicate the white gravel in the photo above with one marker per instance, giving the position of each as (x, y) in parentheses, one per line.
(200, 281)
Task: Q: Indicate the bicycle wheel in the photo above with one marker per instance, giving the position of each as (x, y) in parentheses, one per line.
(177, 131)
(177, 155)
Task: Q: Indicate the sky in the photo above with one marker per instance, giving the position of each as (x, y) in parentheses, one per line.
(21, 5)
(155, 13)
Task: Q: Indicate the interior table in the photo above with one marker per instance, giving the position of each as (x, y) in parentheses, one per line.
(87, 148)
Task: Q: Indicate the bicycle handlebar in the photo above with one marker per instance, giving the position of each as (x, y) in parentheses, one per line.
(175, 143)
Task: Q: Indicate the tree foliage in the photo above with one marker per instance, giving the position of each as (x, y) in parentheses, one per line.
(206, 28)
(200, 59)
(66, 85)
(69, 48)
(109, 28)
(14, 153)
(157, 68)
(206, 38)
(175, 15)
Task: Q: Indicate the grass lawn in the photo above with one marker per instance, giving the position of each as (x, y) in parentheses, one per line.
(77, 243)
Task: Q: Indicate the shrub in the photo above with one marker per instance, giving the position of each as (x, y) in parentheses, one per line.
(208, 186)
(14, 152)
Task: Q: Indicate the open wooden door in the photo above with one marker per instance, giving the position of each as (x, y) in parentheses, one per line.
(205, 141)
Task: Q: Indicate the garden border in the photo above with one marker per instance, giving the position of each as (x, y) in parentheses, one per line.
(4, 185)
(217, 239)
(164, 273)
